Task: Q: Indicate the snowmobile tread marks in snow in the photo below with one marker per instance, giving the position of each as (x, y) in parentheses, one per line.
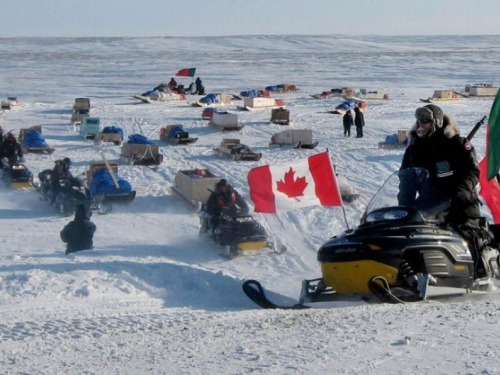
(253, 289)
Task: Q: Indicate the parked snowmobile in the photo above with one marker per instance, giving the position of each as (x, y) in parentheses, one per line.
(236, 232)
(398, 254)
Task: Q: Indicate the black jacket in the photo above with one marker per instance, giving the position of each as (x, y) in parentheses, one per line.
(79, 233)
(230, 199)
(452, 165)
(347, 120)
(8, 149)
(359, 118)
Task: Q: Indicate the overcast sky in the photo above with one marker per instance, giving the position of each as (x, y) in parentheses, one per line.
(246, 17)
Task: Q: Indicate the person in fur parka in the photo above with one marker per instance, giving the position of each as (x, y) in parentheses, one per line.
(435, 144)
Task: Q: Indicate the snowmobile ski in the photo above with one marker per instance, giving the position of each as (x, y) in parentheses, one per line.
(254, 290)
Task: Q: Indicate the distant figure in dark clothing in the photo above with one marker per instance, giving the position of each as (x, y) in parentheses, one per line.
(79, 233)
(11, 151)
(172, 84)
(199, 86)
(359, 121)
(348, 122)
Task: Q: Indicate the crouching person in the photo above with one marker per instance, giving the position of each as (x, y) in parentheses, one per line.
(79, 233)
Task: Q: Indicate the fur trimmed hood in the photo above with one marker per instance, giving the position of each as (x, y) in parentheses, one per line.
(449, 129)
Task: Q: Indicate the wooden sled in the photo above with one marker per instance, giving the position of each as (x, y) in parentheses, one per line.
(106, 200)
(232, 149)
(30, 149)
(141, 154)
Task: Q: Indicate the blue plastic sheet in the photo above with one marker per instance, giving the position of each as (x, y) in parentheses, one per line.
(139, 139)
(102, 183)
(210, 99)
(34, 139)
(113, 130)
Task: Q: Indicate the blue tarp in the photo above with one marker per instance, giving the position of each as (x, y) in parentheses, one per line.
(174, 130)
(346, 105)
(139, 139)
(102, 183)
(392, 139)
(113, 130)
(82, 112)
(148, 93)
(251, 93)
(275, 88)
(210, 99)
(34, 139)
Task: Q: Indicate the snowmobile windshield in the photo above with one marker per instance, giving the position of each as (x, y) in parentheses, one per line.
(410, 188)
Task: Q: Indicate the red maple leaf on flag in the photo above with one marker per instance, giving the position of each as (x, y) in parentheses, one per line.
(292, 187)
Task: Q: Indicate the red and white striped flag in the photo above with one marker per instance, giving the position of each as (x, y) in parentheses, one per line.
(299, 184)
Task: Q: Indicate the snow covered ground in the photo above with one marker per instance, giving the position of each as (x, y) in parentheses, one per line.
(152, 297)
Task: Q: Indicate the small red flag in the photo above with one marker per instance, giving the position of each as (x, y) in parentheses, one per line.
(187, 72)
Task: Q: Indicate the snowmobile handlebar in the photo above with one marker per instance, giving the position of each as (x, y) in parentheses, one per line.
(475, 129)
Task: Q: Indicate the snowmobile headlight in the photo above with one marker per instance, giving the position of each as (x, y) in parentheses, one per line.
(385, 215)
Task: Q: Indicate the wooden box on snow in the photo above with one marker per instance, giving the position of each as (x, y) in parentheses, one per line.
(280, 116)
(292, 137)
(81, 104)
(483, 91)
(224, 119)
(258, 102)
(193, 184)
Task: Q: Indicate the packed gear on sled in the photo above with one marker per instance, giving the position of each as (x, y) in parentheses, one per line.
(111, 134)
(139, 150)
(33, 141)
(176, 135)
(233, 149)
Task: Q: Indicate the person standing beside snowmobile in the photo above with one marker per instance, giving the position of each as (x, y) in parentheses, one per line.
(79, 233)
(436, 146)
(224, 197)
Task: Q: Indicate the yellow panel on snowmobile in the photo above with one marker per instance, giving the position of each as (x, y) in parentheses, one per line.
(20, 185)
(353, 277)
(255, 245)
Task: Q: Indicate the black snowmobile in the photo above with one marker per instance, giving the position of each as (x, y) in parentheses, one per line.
(236, 232)
(71, 193)
(16, 175)
(398, 254)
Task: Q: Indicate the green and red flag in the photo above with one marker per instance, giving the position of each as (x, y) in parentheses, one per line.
(187, 72)
(489, 166)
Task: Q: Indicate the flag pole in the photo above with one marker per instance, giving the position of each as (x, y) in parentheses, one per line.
(338, 190)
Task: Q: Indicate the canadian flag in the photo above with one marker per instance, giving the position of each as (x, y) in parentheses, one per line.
(303, 183)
